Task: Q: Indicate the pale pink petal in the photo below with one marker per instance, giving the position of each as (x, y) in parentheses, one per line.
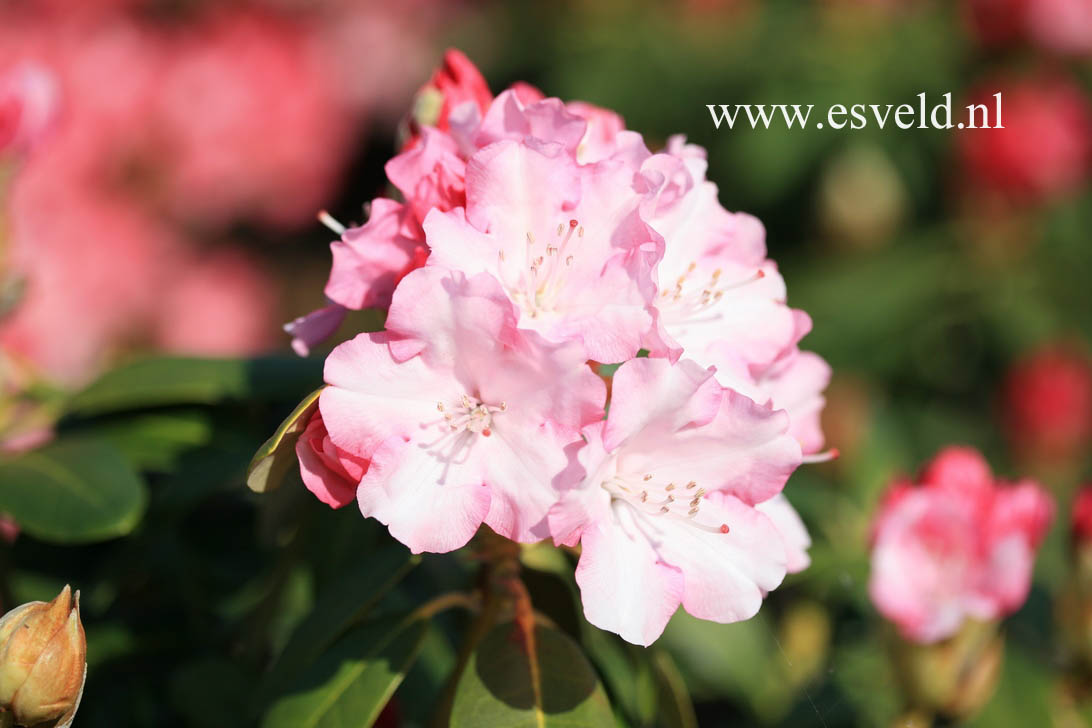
(745, 450)
(545, 121)
(580, 503)
(512, 190)
(314, 328)
(797, 387)
(652, 393)
(600, 141)
(793, 532)
(446, 314)
(427, 504)
(430, 174)
(369, 260)
(726, 574)
(372, 397)
(625, 587)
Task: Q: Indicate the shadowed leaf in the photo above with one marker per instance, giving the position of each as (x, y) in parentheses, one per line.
(511, 684)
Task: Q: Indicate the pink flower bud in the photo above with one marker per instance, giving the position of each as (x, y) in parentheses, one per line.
(329, 472)
(454, 83)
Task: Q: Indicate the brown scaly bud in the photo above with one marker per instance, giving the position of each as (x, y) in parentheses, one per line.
(43, 661)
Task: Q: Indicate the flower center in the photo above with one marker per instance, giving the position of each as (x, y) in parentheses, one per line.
(536, 285)
(470, 415)
(653, 497)
(691, 301)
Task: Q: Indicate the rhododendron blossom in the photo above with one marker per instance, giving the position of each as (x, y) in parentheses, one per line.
(566, 242)
(651, 538)
(956, 545)
(465, 418)
(535, 240)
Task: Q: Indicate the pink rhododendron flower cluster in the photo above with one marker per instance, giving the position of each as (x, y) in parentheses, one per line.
(956, 544)
(534, 241)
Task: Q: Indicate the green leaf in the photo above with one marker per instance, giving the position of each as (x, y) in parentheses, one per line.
(335, 610)
(156, 440)
(277, 455)
(673, 701)
(71, 491)
(163, 381)
(349, 684)
(511, 684)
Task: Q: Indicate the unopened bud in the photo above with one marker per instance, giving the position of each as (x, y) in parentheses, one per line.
(955, 677)
(43, 661)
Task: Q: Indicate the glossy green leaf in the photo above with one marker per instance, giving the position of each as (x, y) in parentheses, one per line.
(183, 380)
(335, 610)
(351, 682)
(511, 684)
(277, 455)
(72, 490)
(156, 440)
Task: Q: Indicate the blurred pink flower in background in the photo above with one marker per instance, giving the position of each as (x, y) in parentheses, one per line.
(1081, 519)
(169, 132)
(28, 107)
(1059, 26)
(1045, 149)
(955, 545)
(1047, 402)
(251, 125)
(219, 303)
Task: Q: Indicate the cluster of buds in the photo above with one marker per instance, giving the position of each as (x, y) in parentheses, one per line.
(43, 662)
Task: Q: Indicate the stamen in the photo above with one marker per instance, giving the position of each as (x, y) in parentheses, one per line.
(821, 457)
(331, 222)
